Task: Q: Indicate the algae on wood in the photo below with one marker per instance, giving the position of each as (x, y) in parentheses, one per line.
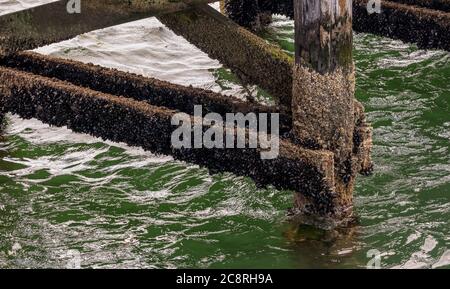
(250, 57)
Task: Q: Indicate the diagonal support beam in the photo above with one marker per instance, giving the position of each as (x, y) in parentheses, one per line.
(250, 57)
(49, 23)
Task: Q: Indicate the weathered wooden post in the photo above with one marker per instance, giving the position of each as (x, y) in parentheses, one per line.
(323, 92)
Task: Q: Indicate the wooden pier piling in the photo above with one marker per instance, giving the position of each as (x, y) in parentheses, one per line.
(323, 89)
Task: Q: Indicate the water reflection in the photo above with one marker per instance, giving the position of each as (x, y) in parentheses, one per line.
(312, 247)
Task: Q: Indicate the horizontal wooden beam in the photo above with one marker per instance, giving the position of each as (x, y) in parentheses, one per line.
(52, 22)
(443, 5)
(162, 93)
(137, 123)
(426, 27)
(137, 87)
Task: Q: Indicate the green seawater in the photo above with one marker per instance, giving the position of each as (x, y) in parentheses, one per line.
(64, 194)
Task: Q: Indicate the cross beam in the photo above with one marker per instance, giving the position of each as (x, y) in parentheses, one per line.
(53, 22)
